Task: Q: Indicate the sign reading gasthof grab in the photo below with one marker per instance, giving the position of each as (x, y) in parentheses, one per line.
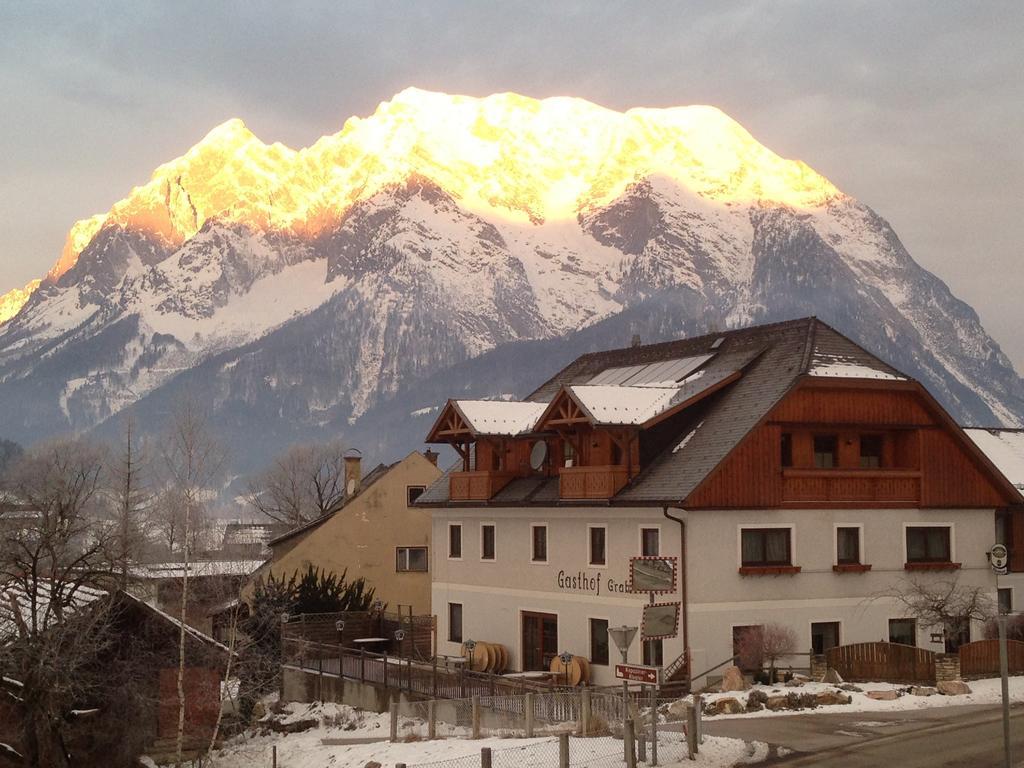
(637, 674)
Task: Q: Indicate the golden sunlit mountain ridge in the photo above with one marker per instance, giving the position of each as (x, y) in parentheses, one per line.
(505, 155)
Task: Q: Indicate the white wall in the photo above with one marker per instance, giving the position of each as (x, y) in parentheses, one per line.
(494, 593)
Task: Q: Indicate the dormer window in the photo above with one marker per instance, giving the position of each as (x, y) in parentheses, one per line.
(870, 451)
(568, 454)
(826, 451)
(787, 449)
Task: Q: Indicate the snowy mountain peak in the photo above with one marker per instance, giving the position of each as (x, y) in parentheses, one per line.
(300, 290)
(510, 155)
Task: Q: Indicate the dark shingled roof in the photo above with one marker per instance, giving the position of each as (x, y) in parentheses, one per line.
(772, 357)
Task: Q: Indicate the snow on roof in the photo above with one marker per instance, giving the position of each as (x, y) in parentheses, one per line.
(609, 404)
(175, 570)
(842, 367)
(14, 592)
(1005, 449)
(499, 417)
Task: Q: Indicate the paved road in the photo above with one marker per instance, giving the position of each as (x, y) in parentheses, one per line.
(946, 737)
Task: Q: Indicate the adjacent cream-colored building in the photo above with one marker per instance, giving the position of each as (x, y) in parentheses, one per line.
(379, 534)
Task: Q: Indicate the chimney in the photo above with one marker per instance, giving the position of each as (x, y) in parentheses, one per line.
(353, 472)
(430, 456)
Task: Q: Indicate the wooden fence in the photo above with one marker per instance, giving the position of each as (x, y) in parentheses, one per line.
(981, 658)
(883, 661)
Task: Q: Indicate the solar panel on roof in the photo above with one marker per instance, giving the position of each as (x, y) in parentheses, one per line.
(673, 370)
(615, 376)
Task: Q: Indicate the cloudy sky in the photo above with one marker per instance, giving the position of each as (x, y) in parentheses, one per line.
(916, 108)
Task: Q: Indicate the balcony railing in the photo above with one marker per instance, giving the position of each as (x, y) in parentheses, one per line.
(591, 482)
(888, 486)
(477, 485)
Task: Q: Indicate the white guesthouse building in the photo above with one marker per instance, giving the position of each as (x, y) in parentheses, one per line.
(796, 478)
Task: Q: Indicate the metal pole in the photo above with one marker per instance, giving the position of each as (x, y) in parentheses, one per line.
(654, 725)
(476, 716)
(394, 721)
(1003, 673)
(627, 739)
(529, 715)
(273, 757)
(563, 750)
(485, 757)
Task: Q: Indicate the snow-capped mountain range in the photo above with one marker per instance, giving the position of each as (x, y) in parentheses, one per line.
(340, 288)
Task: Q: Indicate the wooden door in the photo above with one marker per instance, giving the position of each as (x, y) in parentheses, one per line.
(540, 640)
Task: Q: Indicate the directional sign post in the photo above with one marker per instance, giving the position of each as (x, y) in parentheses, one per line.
(635, 673)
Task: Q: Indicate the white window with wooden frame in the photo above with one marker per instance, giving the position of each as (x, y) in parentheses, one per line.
(539, 543)
(488, 542)
(650, 540)
(455, 541)
(929, 546)
(766, 548)
(848, 548)
(597, 546)
(411, 559)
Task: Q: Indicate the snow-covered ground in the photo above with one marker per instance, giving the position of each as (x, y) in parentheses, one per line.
(339, 723)
(985, 691)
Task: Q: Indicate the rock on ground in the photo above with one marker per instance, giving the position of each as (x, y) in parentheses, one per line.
(733, 680)
(953, 688)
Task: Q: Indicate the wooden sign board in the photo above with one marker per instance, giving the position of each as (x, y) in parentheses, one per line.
(653, 574)
(634, 673)
(660, 622)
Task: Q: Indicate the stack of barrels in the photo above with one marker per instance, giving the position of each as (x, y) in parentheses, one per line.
(487, 657)
(575, 672)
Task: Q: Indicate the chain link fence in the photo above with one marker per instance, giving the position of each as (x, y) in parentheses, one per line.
(581, 728)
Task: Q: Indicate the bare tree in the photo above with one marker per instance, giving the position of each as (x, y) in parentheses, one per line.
(768, 643)
(48, 566)
(303, 484)
(132, 501)
(193, 460)
(943, 603)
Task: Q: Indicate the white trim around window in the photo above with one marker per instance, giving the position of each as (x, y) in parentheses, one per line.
(481, 542)
(640, 537)
(462, 539)
(547, 543)
(590, 553)
(740, 527)
(860, 542)
(952, 537)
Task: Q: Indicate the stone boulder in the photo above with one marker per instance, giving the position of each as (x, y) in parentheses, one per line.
(372, 764)
(794, 683)
(953, 687)
(922, 690)
(726, 706)
(829, 698)
(776, 703)
(882, 695)
(676, 711)
(733, 680)
(831, 677)
(851, 688)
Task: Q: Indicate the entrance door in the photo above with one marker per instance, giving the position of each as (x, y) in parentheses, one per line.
(540, 640)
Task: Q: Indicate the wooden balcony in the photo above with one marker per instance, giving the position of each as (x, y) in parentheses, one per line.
(851, 486)
(591, 482)
(478, 485)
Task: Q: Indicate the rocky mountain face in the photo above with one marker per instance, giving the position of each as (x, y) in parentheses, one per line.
(453, 246)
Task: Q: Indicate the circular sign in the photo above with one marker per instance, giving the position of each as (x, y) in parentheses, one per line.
(339, 625)
(399, 635)
(998, 556)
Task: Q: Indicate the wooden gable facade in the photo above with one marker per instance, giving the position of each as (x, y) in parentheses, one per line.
(854, 443)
